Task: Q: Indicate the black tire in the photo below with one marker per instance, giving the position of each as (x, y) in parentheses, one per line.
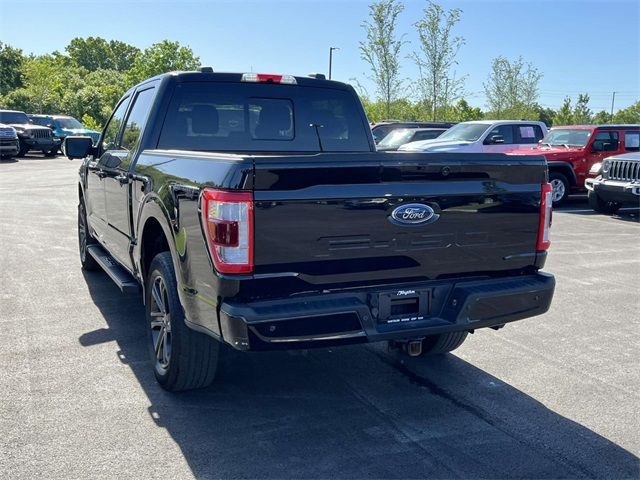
(183, 359)
(50, 153)
(560, 186)
(443, 343)
(22, 151)
(599, 205)
(84, 240)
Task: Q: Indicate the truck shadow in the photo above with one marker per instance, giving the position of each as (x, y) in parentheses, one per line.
(355, 412)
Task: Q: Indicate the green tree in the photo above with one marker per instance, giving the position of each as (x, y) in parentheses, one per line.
(630, 114)
(11, 63)
(381, 50)
(162, 57)
(546, 115)
(581, 112)
(512, 89)
(463, 112)
(601, 117)
(95, 53)
(564, 115)
(436, 58)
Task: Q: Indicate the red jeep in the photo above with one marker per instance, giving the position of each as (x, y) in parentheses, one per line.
(572, 150)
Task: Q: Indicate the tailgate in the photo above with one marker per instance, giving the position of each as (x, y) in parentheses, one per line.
(329, 218)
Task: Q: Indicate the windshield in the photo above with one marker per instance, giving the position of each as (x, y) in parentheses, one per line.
(572, 137)
(13, 117)
(464, 132)
(69, 122)
(396, 137)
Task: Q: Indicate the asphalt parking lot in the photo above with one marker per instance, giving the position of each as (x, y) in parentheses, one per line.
(549, 397)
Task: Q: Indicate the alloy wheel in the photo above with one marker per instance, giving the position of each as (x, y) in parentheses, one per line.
(160, 324)
(558, 189)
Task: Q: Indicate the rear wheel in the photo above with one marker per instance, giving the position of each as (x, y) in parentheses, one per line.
(84, 240)
(183, 359)
(560, 188)
(599, 205)
(443, 343)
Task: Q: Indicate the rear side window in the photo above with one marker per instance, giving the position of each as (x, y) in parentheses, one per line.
(528, 134)
(262, 118)
(632, 141)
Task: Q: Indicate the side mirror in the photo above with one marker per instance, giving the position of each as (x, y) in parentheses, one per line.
(493, 139)
(77, 147)
(51, 126)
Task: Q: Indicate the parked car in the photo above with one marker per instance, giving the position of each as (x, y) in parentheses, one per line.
(9, 144)
(400, 136)
(382, 129)
(245, 223)
(571, 151)
(63, 126)
(617, 183)
(483, 136)
(30, 136)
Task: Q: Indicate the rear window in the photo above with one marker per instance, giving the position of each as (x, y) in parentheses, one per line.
(262, 118)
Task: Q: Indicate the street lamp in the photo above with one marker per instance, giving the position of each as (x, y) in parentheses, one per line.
(331, 49)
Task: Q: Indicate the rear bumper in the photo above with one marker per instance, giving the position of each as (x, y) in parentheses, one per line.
(354, 316)
(626, 193)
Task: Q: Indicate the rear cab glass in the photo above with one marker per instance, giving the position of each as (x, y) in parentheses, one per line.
(234, 117)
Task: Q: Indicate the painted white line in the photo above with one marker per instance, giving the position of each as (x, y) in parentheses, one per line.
(587, 210)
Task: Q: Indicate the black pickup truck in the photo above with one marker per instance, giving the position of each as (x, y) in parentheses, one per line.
(254, 210)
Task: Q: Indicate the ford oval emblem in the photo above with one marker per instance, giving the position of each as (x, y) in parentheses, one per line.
(413, 214)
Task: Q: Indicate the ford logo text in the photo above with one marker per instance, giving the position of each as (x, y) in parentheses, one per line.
(412, 214)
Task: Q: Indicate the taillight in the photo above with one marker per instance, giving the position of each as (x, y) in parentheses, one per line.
(268, 78)
(227, 220)
(544, 226)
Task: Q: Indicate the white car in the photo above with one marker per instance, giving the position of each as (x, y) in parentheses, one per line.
(483, 136)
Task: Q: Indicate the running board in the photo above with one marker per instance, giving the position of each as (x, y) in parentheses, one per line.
(119, 275)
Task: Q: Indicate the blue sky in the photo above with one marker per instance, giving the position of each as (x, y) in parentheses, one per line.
(580, 46)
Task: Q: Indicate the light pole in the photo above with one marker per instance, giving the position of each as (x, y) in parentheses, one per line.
(331, 49)
(613, 101)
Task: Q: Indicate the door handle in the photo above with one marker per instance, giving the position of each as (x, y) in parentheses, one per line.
(123, 179)
(100, 173)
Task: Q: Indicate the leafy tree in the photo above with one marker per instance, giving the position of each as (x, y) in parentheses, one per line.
(381, 50)
(601, 117)
(564, 115)
(437, 56)
(512, 88)
(11, 61)
(546, 115)
(581, 112)
(630, 114)
(95, 53)
(162, 57)
(463, 112)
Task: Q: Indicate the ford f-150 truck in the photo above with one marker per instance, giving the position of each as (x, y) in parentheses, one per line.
(254, 210)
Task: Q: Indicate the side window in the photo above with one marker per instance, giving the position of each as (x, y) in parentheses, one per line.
(528, 134)
(608, 139)
(505, 131)
(137, 119)
(111, 131)
(632, 141)
(426, 135)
